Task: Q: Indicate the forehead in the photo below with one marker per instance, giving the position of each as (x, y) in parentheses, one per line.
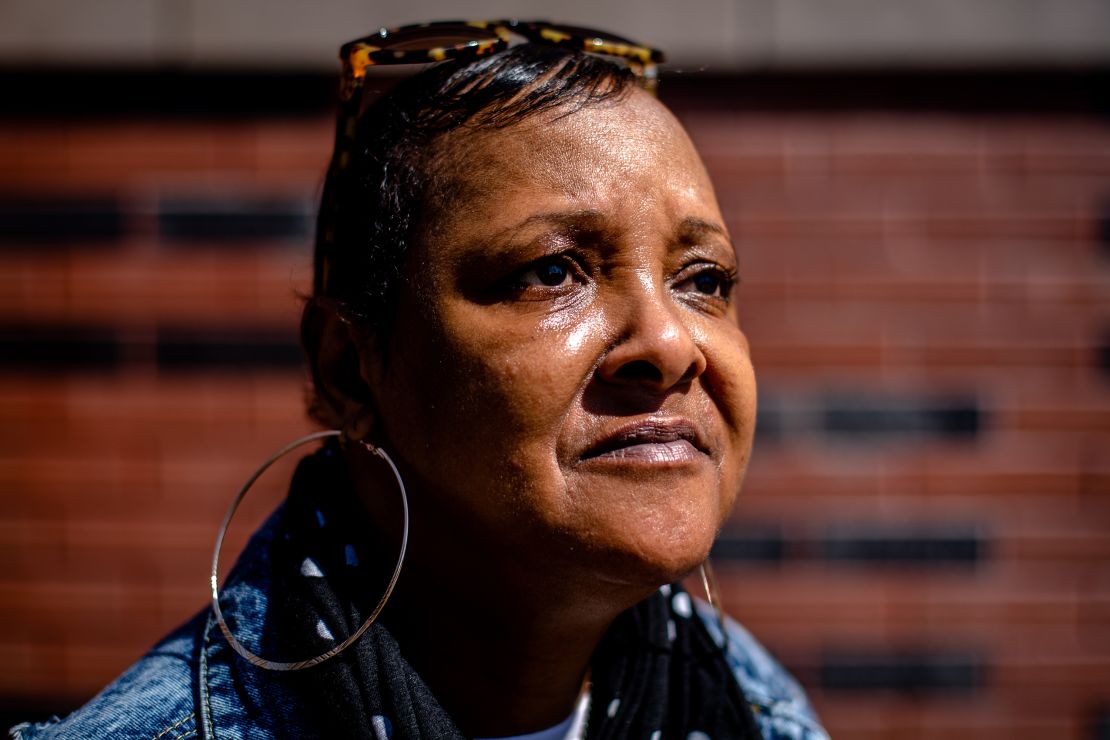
(583, 153)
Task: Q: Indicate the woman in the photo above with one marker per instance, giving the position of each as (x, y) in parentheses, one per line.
(523, 298)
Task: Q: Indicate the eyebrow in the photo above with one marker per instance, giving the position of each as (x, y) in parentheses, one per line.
(689, 228)
(694, 226)
(494, 245)
(562, 218)
(689, 225)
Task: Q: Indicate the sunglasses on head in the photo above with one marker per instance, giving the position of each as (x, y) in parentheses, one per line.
(438, 41)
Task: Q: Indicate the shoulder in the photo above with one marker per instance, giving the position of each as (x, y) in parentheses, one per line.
(779, 704)
(154, 698)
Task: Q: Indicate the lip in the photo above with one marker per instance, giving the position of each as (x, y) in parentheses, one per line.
(650, 442)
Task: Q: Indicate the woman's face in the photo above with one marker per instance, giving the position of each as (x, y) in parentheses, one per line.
(567, 385)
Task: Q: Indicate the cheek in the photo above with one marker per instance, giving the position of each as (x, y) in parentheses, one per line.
(730, 382)
(492, 392)
(526, 383)
(494, 399)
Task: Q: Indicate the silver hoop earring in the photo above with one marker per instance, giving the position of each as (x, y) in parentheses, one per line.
(709, 582)
(275, 665)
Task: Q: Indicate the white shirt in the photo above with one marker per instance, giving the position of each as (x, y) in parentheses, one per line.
(571, 728)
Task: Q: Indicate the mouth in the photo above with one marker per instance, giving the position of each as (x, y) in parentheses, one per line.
(650, 442)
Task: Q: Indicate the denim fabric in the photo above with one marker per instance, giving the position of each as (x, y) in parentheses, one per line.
(778, 702)
(193, 685)
(179, 691)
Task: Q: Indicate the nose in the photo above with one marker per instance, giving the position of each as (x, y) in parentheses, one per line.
(655, 349)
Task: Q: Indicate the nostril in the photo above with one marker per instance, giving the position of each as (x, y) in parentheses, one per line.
(645, 371)
(639, 370)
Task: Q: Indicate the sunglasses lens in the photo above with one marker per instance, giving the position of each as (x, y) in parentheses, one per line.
(422, 39)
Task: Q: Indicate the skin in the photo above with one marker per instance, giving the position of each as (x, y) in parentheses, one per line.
(574, 299)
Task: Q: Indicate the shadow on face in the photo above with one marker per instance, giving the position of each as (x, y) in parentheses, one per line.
(566, 387)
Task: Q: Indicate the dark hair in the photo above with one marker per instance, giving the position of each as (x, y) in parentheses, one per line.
(389, 191)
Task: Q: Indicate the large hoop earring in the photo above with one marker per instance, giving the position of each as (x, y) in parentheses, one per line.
(709, 582)
(275, 665)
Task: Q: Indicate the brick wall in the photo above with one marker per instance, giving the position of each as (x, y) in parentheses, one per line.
(925, 531)
(926, 294)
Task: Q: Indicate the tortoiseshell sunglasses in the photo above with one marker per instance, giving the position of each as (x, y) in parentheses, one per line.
(440, 40)
(424, 43)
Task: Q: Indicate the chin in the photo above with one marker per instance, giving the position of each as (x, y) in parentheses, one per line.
(626, 533)
(650, 558)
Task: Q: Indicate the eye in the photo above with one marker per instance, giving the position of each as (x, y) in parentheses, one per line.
(551, 272)
(712, 282)
(707, 283)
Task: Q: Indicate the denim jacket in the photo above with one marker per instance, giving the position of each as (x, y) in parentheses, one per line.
(193, 685)
(183, 688)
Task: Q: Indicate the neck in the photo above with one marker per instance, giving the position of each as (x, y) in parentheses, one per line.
(496, 664)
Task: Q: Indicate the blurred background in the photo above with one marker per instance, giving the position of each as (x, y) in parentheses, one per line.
(919, 191)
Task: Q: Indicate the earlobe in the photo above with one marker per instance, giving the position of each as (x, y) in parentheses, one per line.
(338, 352)
(360, 426)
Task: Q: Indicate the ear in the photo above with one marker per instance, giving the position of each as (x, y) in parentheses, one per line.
(346, 366)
